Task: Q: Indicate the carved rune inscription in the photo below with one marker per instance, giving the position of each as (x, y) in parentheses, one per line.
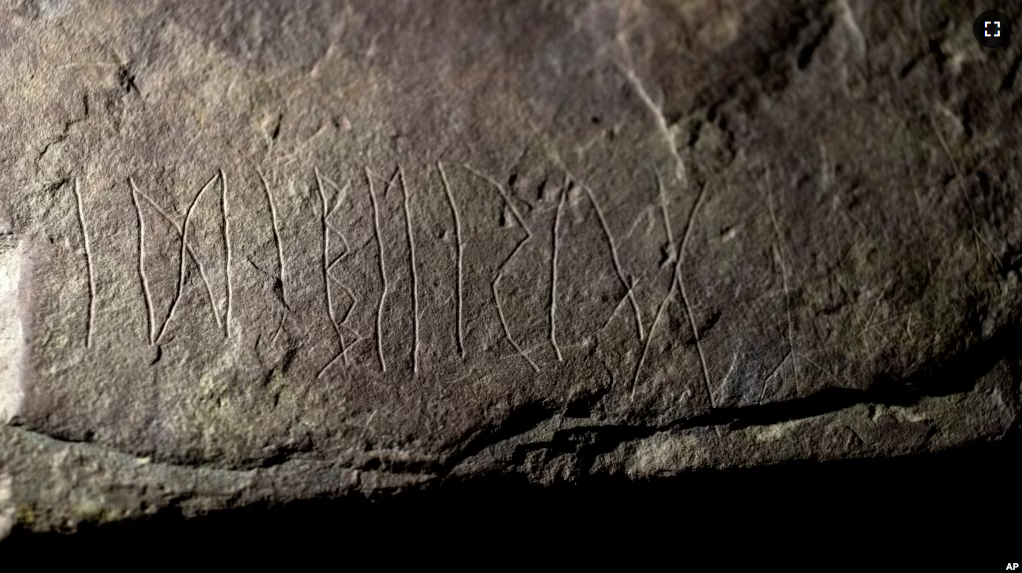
(395, 205)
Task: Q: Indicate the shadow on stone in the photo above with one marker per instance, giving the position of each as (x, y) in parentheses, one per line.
(973, 490)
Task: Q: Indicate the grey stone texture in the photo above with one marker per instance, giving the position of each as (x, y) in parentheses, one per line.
(260, 251)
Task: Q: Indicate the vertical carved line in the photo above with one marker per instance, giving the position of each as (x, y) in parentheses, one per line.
(227, 248)
(141, 262)
(553, 274)
(181, 269)
(276, 238)
(88, 263)
(415, 275)
(461, 248)
(383, 271)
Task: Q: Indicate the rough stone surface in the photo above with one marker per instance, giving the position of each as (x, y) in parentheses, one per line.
(268, 251)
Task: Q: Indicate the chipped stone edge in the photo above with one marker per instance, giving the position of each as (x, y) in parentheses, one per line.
(861, 431)
(50, 485)
(7, 506)
(866, 430)
(61, 486)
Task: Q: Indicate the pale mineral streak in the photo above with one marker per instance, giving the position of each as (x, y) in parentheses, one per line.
(11, 334)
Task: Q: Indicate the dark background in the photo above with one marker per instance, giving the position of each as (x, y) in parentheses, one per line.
(951, 511)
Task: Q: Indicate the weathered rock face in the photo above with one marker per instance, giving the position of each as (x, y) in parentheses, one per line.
(270, 251)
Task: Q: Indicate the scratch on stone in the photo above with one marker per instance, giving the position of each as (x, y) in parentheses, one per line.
(347, 290)
(766, 381)
(88, 264)
(370, 419)
(614, 257)
(286, 160)
(626, 283)
(723, 383)
(500, 273)
(181, 269)
(784, 283)
(675, 282)
(621, 303)
(685, 299)
(191, 252)
(968, 200)
(351, 295)
(343, 354)
(821, 369)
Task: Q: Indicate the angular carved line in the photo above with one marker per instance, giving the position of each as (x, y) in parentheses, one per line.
(354, 299)
(734, 362)
(503, 321)
(343, 239)
(460, 246)
(351, 307)
(325, 212)
(616, 259)
(500, 273)
(415, 276)
(191, 252)
(88, 263)
(280, 328)
(649, 339)
(276, 238)
(675, 282)
(333, 361)
(141, 262)
(342, 354)
(695, 331)
(631, 287)
(181, 269)
(773, 373)
(344, 351)
(684, 294)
